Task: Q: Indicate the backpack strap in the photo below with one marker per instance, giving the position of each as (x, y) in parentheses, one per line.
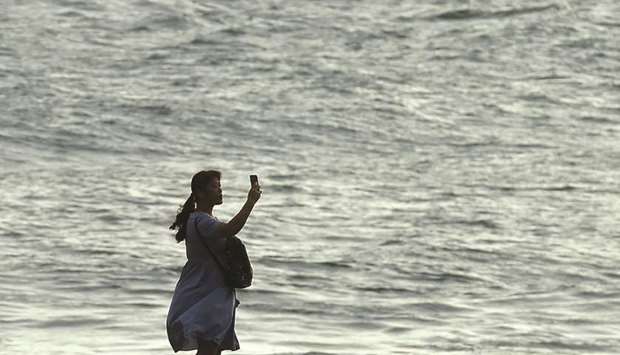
(204, 242)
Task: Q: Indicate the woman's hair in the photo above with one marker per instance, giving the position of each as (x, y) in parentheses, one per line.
(199, 181)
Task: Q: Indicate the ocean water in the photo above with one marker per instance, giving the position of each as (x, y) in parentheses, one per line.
(439, 177)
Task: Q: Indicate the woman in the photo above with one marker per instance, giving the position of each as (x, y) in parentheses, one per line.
(202, 310)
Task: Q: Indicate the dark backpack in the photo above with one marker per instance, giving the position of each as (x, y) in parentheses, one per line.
(236, 264)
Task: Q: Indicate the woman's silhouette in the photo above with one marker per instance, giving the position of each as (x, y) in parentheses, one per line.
(203, 307)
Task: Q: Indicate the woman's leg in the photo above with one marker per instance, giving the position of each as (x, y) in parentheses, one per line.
(208, 348)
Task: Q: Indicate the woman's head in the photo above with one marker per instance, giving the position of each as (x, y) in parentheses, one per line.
(206, 187)
(206, 190)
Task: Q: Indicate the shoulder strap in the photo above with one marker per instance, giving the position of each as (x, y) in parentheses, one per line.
(204, 242)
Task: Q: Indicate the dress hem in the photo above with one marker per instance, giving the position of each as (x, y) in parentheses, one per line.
(178, 344)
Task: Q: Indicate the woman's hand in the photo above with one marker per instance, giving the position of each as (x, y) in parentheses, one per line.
(254, 193)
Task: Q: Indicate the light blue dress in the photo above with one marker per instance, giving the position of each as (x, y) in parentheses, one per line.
(202, 306)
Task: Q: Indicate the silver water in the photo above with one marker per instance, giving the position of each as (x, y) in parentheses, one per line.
(439, 177)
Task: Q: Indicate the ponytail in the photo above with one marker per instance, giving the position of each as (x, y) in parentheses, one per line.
(199, 180)
(182, 216)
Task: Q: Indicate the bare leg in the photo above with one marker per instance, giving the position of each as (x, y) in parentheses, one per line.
(208, 348)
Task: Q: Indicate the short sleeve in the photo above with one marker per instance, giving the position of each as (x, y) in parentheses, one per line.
(206, 225)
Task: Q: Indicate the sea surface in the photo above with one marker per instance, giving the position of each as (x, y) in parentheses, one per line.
(439, 177)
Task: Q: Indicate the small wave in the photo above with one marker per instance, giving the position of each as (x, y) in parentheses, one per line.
(597, 294)
(139, 28)
(285, 188)
(468, 14)
(478, 222)
(267, 292)
(9, 233)
(392, 242)
(612, 274)
(534, 188)
(204, 41)
(162, 110)
(583, 346)
(602, 120)
(608, 24)
(283, 177)
(560, 188)
(471, 250)
(440, 307)
(215, 38)
(159, 22)
(71, 322)
(144, 305)
(385, 289)
(157, 56)
(233, 31)
(529, 146)
(548, 77)
(334, 264)
(158, 109)
(538, 98)
(397, 330)
(472, 144)
(303, 263)
(95, 251)
(553, 344)
(447, 276)
(271, 309)
(70, 13)
(147, 291)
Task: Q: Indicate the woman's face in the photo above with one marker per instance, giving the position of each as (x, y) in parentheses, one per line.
(212, 192)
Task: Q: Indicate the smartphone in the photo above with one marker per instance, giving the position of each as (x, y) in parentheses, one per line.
(254, 180)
